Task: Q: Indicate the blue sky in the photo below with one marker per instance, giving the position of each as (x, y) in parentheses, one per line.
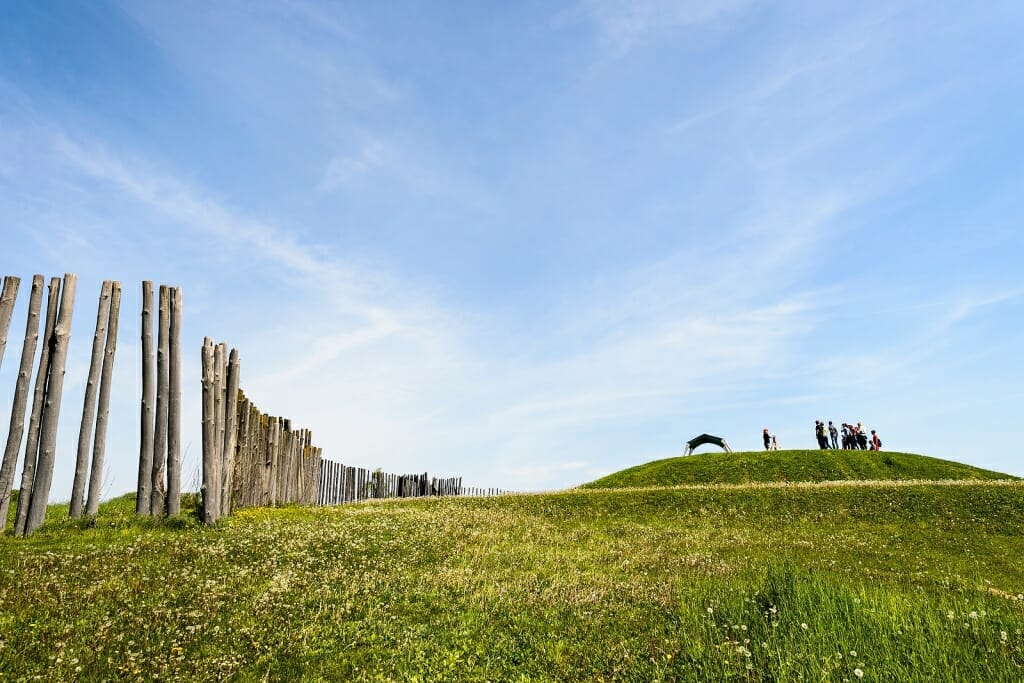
(531, 243)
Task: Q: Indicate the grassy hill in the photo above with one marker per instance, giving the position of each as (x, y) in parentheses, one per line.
(899, 581)
(815, 465)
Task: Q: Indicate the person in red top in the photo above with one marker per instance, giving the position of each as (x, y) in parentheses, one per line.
(876, 443)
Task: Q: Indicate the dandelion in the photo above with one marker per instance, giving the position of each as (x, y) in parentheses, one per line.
(711, 610)
(859, 673)
(803, 626)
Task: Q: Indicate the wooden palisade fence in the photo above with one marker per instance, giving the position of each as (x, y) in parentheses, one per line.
(343, 484)
(104, 346)
(41, 444)
(158, 491)
(249, 459)
(275, 463)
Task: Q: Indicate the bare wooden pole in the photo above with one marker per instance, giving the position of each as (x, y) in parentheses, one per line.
(272, 458)
(209, 435)
(8, 296)
(51, 416)
(230, 427)
(219, 385)
(142, 494)
(103, 412)
(28, 468)
(99, 338)
(174, 407)
(157, 488)
(17, 427)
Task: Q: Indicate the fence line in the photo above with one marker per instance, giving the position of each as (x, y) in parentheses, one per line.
(273, 463)
(249, 458)
(340, 483)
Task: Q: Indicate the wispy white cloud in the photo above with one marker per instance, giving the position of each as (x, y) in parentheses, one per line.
(624, 23)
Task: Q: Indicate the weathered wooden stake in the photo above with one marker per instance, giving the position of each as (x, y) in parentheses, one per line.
(8, 295)
(51, 416)
(174, 407)
(99, 338)
(106, 379)
(142, 494)
(272, 458)
(230, 435)
(209, 435)
(28, 468)
(17, 427)
(219, 384)
(157, 487)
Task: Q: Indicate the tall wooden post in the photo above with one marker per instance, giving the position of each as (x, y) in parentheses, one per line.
(219, 384)
(51, 416)
(272, 459)
(99, 338)
(17, 427)
(174, 407)
(8, 295)
(28, 468)
(157, 487)
(103, 413)
(209, 434)
(230, 433)
(142, 494)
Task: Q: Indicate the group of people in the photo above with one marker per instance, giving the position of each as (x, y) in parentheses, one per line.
(854, 437)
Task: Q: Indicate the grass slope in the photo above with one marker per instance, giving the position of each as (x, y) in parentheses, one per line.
(764, 466)
(895, 581)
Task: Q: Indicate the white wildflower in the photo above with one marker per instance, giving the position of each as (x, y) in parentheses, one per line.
(859, 673)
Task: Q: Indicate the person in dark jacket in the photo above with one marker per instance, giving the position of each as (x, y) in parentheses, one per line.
(767, 439)
(819, 433)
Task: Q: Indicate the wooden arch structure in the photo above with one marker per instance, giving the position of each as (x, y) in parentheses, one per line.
(698, 441)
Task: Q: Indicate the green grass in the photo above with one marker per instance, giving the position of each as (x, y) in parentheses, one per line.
(900, 581)
(775, 466)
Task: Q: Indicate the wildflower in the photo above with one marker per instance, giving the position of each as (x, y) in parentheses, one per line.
(973, 615)
(710, 610)
(1002, 635)
(803, 626)
(951, 614)
(859, 673)
(853, 653)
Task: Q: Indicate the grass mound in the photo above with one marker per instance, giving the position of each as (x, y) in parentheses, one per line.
(878, 581)
(778, 466)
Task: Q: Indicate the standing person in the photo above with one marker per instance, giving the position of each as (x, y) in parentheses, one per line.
(862, 436)
(767, 439)
(775, 444)
(819, 433)
(846, 436)
(833, 434)
(876, 442)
